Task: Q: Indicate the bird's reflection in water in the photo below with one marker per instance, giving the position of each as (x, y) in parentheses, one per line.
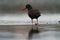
(33, 31)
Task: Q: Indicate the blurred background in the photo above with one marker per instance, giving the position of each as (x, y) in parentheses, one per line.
(43, 5)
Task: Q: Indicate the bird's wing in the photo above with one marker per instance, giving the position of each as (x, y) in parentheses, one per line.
(35, 11)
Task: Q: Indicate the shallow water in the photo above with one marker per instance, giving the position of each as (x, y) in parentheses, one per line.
(48, 32)
(48, 35)
(11, 36)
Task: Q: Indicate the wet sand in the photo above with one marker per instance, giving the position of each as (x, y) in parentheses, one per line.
(22, 31)
(27, 28)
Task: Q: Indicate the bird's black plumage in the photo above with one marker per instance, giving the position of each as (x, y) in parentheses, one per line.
(33, 13)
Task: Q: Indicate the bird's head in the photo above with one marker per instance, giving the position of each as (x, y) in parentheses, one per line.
(28, 6)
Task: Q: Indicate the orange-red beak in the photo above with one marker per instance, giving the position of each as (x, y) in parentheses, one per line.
(24, 8)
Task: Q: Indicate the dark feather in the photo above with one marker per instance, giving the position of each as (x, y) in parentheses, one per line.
(34, 13)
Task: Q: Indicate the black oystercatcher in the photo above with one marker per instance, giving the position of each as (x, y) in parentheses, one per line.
(32, 13)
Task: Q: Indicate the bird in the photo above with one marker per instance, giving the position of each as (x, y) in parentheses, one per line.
(32, 13)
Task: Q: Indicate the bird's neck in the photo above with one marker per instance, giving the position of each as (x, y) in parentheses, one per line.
(30, 8)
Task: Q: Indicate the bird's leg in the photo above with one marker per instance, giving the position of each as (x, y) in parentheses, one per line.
(37, 21)
(32, 22)
(36, 24)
